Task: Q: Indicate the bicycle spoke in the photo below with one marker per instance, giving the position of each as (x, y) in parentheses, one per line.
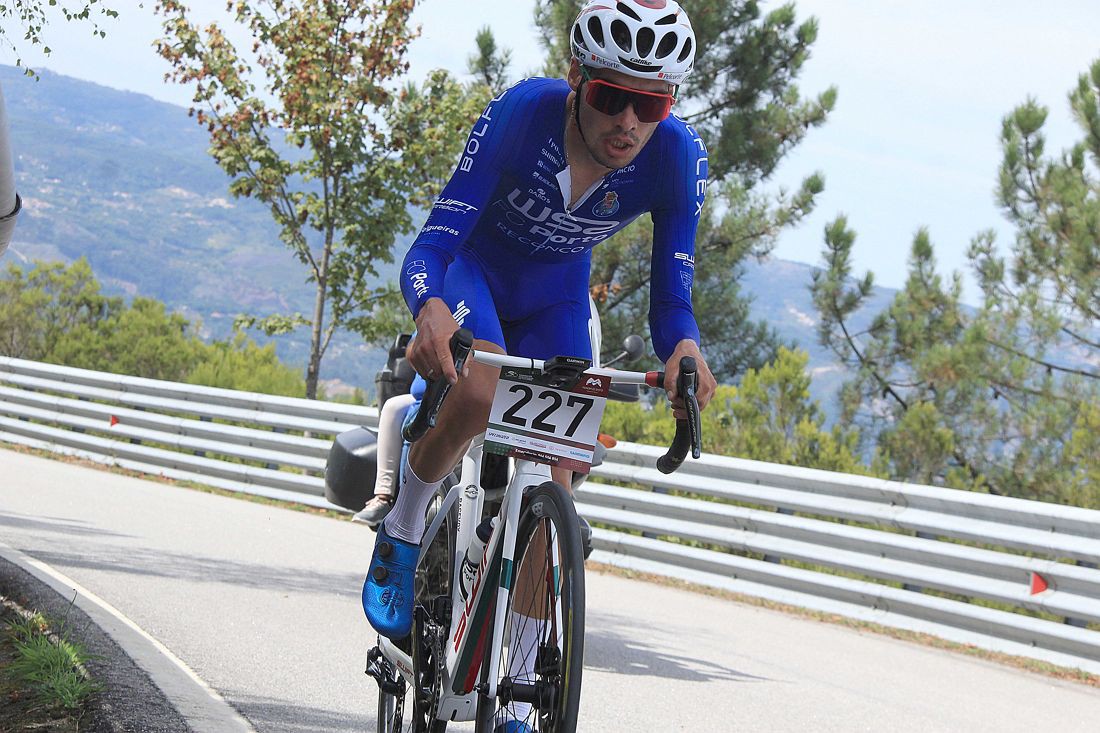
(542, 647)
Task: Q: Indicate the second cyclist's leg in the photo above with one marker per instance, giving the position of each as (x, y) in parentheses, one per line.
(389, 451)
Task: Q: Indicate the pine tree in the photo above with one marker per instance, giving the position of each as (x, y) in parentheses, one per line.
(743, 101)
(1003, 397)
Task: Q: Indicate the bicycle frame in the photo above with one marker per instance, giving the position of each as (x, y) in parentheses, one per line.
(467, 632)
(469, 616)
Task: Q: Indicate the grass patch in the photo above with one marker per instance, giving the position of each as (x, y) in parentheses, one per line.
(43, 682)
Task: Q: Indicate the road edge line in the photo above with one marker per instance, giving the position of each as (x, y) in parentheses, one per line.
(201, 706)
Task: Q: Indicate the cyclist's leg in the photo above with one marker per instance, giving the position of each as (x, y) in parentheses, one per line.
(561, 329)
(388, 591)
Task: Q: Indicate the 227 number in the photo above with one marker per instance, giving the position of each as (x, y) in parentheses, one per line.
(582, 405)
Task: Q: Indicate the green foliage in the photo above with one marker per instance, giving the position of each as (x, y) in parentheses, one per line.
(55, 313)
(52, 668)
(489, 64)
(430, 123)
(242, 364)
(1002, 397)
(327, 75)
(751, 114)
(40, 308)
(1083, 452)
(32, 17)
(768, 417)
(142, 339)
(274, 325)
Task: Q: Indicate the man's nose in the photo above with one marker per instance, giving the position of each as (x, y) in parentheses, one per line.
(628, 118)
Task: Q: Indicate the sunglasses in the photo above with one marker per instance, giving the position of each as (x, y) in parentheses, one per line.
(611, 99)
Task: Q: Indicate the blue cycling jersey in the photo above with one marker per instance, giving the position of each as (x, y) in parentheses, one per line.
(505, 213)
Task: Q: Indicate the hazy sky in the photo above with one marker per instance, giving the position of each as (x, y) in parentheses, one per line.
(913, 141)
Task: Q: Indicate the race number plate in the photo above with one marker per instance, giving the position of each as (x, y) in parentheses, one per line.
(536, 422)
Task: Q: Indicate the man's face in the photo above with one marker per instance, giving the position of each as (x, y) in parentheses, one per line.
(614, 141)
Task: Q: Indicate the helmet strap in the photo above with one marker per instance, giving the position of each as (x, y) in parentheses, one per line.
(576, 105)
(577, 116)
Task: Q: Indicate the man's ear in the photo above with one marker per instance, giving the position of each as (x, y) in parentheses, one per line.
(574, 76)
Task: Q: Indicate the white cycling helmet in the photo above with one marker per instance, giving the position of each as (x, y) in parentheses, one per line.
(646, 39)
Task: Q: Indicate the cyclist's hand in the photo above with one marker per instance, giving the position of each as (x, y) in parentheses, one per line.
(430, 350)
(707, 383)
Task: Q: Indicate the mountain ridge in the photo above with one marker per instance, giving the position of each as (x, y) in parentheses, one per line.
(125, 180)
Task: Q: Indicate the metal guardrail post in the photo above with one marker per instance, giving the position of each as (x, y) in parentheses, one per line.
(283, 431)
(911, 586)
(1080, 623)
(775, 558)
(655, 490)
(203, 418)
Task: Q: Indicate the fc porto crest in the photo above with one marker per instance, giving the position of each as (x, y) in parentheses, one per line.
(608, 206)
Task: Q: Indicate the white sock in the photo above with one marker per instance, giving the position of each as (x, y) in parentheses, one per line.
(523, 647)
(406, 520)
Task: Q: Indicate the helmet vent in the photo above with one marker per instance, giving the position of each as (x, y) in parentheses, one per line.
(621, 35)
(578, 38)
(596, 29)
(667, 20)
(628, 11)
(667, 45)
(686, 52)
(633, 66)
(645, 41)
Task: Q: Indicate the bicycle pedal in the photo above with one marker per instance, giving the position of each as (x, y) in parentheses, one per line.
(377, 671)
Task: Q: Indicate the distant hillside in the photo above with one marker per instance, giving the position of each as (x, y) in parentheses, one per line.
(125, 181)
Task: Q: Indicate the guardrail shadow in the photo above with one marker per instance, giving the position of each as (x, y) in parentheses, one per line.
(614, 643)
(56, 524)
(206, 570)
(270, 714)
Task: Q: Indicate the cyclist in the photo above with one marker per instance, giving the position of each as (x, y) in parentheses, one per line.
(551, 168)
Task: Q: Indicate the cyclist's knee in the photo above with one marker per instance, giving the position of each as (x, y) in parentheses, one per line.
(474, 398)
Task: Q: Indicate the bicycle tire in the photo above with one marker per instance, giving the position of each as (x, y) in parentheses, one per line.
(558, 666)
(390, 707)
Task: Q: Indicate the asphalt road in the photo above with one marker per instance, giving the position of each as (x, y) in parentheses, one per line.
(263, 604)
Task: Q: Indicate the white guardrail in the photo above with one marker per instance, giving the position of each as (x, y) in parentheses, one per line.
(1004, 574)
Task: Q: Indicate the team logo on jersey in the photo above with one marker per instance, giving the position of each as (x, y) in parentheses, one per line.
(461, 312)
(608, 206)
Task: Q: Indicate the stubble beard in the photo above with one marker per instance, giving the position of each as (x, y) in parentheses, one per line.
(599, 157)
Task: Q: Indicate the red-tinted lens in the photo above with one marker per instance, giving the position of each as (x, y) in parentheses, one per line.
(612, 99)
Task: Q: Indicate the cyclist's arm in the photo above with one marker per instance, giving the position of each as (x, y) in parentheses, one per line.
(676, 212)
(458, 209)
(675, 222)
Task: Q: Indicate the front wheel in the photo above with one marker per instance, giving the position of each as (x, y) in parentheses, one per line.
(542, 652)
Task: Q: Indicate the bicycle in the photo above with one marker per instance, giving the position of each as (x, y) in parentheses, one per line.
(457, 662)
